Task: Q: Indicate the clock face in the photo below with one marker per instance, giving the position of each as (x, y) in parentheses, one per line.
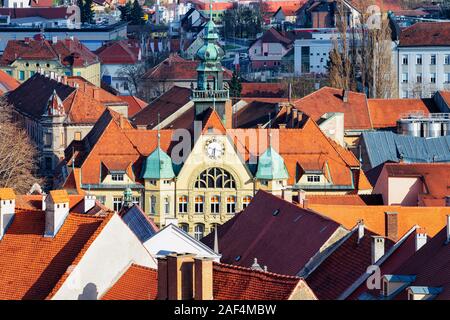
(214, 149)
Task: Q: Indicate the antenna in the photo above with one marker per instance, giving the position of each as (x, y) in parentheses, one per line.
(210, 10)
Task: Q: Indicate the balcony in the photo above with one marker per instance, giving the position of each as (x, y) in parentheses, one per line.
(204, 95)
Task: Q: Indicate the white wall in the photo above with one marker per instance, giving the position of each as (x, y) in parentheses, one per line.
(114, 249)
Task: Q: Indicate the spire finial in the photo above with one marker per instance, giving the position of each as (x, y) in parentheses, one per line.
(210, 10)
(159, 133)
(270, 130)
(216, 241)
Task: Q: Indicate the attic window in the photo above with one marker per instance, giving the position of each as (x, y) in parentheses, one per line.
(210, 130)
(237, 258)
(276, 212)
(117, 177)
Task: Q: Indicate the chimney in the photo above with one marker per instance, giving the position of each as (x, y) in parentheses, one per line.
(302, 198)
(64, 79)
(162, 279)
(299, 117)
(89, 202)
(293, 116)
(421, 238)
(360, 230)
(7, 209)
(448, 229)
(180, 276)
(282, 126)
(377, 248)
(54, 39)
(391, 225)
(57, 209)
(43, 206)
(259, 125)
(345, 96)
(203, 279)
(288, 109)
(287, 195)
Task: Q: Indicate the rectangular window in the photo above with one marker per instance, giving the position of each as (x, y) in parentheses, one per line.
(419, 59)
(137, 200)
(117, 177)
(166, 205)
(313, 178)
(215, 204)
(117, 203)
(21, 75)
(419, 78)
(405, 59)
(433, 59)
(447, 78)
(404, 78)
(182, 204)
(447, 59)
(77, 136)
(231, 204)
(433, 77)
(198, 204)
(9, 72)
(153, 205)
(246, 201)
(404, 94)
(61, 139)
(32, 73)
(47, 139)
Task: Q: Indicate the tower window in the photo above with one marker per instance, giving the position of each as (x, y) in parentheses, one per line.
(182, 204)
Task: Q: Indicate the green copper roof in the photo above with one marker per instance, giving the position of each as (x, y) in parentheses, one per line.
(158, 165)
(271, 166)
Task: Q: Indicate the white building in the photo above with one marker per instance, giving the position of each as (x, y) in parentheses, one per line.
(422, 60)
(311, 54)
(16, 3)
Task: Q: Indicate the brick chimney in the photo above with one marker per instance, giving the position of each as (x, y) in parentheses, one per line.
(421, 238)
(7, 209)
(180, 276)
(391, 225)
(203, 279)
(162, 279)
(377, 248)
(345, 95)
(57, 210)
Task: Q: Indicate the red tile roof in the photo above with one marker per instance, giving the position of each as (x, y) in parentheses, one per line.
(119, 52)
(384, 5)
(47, 13)
(384, 113)
(426, 34)
(175, 68)
(445, 96)
(347, 199)
(326, 99)
(41, 3)
(229, 283)
(261, 89)
(7, 83)
(134, 104)
(70, 53)
(284, 242)
(33, 265)
(96, 93)
(137, 283)
(273, 36)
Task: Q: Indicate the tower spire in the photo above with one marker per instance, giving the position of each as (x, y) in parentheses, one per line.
(159, 133)
(210, 10)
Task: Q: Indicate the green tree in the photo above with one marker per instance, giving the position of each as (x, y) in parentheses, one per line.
(235, 85)
(125, 12)
(88, 11)
(137, 14)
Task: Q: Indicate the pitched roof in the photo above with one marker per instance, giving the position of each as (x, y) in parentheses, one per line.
(175, 68)
(118, 52)
(426, 34)
(273, 36)
(445, 96)
(262, 89)
(430, 265)
(432, 219)
(165, 105)
(281, 235)
(255, 113)
(384, 113)
(59, 196)
(347, 199)
(7, 194)
(134, 104)
(229, 283)
(47, 13)
(7, 83)
(69, 52)
(326, 99)
(384, 5)
(32, 264)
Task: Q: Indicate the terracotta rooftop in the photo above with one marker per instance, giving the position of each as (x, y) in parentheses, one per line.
(426, 34)
(59, 196)
(262, 89)
(70, 53)
(46, 13)
(134, 104)
(281, 235)
(96, 93)
(326, 99)
(384, 113)
(7, 83)
(348, 199)
(7, 194)
(32, 264)
(119, 52)
(273, 36)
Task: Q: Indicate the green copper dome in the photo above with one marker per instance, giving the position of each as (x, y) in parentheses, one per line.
(271, 166)
(158, 165)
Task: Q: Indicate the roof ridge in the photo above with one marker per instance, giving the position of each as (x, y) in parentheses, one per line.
(141, 267)
(277, 276)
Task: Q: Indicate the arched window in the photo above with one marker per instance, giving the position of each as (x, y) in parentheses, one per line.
(246, 201)
(182, 204)
(199, 231)
(184, 227)
(198, 204)
(215, 178)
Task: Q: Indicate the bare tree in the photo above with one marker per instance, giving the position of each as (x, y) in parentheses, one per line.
(18, 156)
(132, 74)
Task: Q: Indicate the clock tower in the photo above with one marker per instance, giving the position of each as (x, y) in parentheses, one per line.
(210, 91)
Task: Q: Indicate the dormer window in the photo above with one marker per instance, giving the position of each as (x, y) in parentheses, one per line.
(313, 178)
(117, 177)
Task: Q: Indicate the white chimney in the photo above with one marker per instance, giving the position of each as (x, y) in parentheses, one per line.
(377, 248)
(421, 238)
(287, 195)
(301, 197)
(360, 230)
(54, 39)
(57, 209)
(89, 202)
(7, 209)
(43, 201)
